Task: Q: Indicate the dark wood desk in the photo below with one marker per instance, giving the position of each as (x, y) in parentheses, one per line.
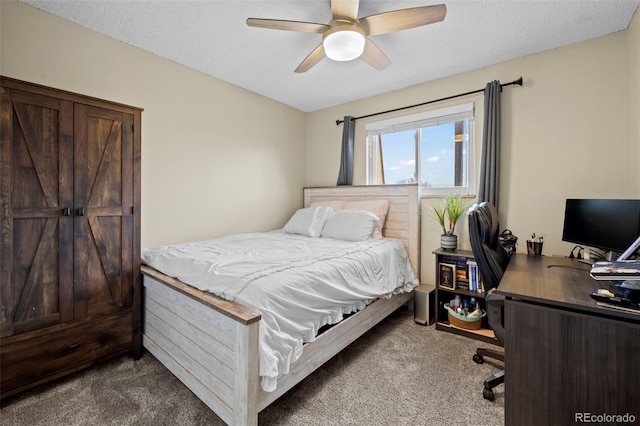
(566, 358)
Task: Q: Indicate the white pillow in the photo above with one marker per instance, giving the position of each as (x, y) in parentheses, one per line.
(350, 225)
(308, 221)
(378, 207)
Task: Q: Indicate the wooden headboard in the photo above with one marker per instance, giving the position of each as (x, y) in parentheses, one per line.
(403, 219)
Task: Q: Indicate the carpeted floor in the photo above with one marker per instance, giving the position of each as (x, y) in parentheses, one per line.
(399, 373)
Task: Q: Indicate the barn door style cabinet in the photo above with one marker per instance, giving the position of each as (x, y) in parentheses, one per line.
(69, 233)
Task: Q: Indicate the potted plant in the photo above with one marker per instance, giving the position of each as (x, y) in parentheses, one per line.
(447, 215)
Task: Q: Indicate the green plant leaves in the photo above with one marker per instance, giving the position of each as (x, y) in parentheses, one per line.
(452, 209)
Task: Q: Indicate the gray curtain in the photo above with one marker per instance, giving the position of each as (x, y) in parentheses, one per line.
(345, 176)
(490, 163)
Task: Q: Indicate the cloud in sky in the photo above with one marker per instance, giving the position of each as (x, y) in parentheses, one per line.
(433, 159)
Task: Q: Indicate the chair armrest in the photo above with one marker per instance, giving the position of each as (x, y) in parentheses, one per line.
(495, 313)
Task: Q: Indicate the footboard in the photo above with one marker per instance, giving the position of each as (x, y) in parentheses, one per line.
(210, 344)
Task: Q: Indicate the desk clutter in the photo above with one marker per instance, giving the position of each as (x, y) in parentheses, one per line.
(616, 270)
(534, 245)
(624, 288)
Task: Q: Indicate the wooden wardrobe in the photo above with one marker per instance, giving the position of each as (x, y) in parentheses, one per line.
(69, 233)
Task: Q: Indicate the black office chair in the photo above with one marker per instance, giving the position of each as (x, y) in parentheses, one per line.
(492, 260)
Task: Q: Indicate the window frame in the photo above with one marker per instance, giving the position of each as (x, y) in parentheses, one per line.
(416, 122)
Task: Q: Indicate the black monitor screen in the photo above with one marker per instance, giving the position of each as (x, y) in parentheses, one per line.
(605, 224)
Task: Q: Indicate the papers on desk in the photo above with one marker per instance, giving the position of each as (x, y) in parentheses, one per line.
(616, 270)
(615, 302)
(619, 308)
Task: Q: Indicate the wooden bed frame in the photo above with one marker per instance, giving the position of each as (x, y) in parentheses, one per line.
(222, 368)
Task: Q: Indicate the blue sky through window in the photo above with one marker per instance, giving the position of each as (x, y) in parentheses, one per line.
(437, 155)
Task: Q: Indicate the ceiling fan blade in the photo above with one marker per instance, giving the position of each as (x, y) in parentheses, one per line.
(403, 19)
(313, 58)
(345, 9)
(279, 24)
(374, 56)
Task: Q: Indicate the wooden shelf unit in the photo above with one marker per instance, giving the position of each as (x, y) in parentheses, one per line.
(445, 294)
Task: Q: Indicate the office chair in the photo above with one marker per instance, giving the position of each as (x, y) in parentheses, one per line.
(492, 260)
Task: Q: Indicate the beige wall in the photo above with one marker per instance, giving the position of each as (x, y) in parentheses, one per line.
(216, 159)
(564, 134)
(632, 155)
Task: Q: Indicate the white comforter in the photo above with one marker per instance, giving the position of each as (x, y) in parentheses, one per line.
(297, 283)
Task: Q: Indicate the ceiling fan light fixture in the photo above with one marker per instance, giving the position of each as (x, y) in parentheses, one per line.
(345, 37)
(344, 44)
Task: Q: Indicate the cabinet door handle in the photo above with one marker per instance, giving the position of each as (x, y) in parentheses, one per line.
(73, 347)
(66, 211)
(82, 211)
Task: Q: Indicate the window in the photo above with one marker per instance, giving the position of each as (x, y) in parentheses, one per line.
(434, 148)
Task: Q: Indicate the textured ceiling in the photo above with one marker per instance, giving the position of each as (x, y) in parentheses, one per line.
(212, 37)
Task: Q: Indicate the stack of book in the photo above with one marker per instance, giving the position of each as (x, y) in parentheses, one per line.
(460, 265)
(475, 283)
(466, 272)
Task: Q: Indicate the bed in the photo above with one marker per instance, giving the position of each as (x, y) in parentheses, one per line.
(223, 368)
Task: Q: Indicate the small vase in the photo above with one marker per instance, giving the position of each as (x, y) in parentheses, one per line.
(449, 242)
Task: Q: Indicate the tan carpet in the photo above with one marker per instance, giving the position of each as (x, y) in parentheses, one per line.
(399, 373)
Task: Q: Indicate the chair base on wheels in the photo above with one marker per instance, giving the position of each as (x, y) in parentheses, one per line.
(496, 378)
(490, 383)
(491, 353)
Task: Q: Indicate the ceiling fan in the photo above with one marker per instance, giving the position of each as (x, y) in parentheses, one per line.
(346, 37)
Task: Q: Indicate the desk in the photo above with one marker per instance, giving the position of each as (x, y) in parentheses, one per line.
(565, 356)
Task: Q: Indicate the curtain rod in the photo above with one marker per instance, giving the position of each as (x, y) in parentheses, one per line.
(517, 82)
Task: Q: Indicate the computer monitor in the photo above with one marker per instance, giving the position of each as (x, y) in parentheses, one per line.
(611, 225)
